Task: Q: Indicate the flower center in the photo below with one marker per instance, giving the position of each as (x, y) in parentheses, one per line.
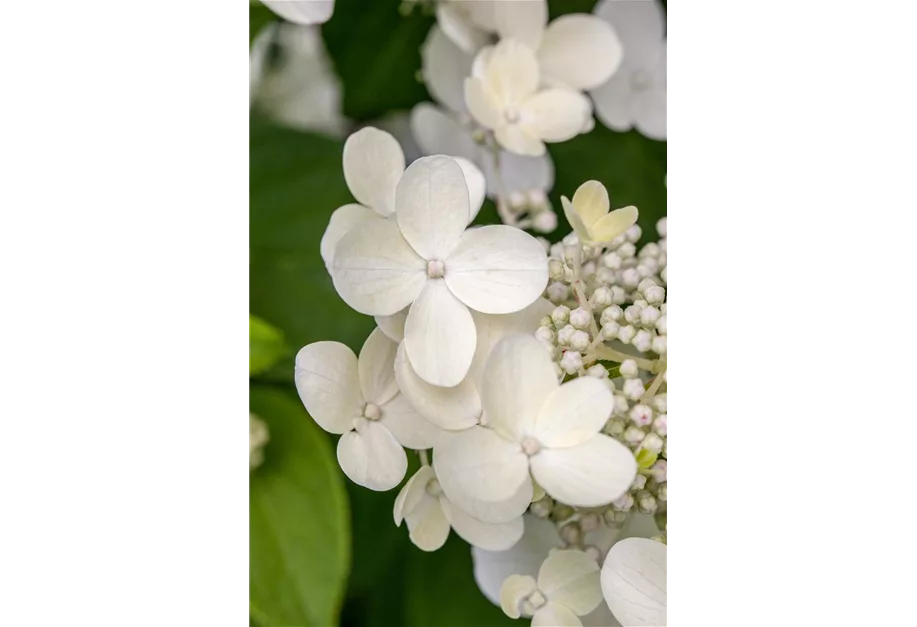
(371, 411)
(433, 488)
(533, 603)
(530, 446)
(640, 80)
(511, 114)
(436, 269)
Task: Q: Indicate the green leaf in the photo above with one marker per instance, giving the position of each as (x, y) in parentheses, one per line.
(299, 524)
(441, 591)
(265, 345)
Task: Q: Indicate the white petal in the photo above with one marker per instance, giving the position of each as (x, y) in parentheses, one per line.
(497, 269)
(464, 35)
(373, 163)
(571, 578)
(518, 378)
(588, 475)
(477, 186)
(486, 511)
(591, 202)
(513, 592)
(393, 326)
(408, 427)
(428, 524)
(651, 117)
(574, 413)
(375, 270)
(523, 20)
(492, 328)
(436, 132)
(614, 100)
(639, 25)
(439, 336)
(634, 581)
(519, 172)
(573, 38)
(482, 103)
(488, 536)
(371, 457)
(433, 206)
(377, 368)
(455, 408)
(614, 224)
(555, 115)
(445, 67)
(481, 13)
(342, 220)
(520, 141)
(478, 461)
(329, 386)
(555, 615)
(511, 72)
(302, 11)
(491, 568)
(576, 222)
(412, 493)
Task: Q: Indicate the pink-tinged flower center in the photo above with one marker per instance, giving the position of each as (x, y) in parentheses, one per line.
(436, 269)
(530, 446)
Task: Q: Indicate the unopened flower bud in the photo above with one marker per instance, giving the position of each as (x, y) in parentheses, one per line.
(560, 315)
(561, 512)
(601, 296)
(564, 335)
(614, 518)
(571, 534)
(611, 313)
(633, 233)
(598, 371)
(558, 292)
(571, 362)
(632, 313)
(661, 425)
(544, 221)
(643, 340)
(612, 260)
(610, 330)
(633, 389)
(517, 201)
(621, 404)
(646, 503)
(649, 316)
(556, 270)
(580, 318)
(542, 507)
(660, 345)
(604, 276)
(627, 250)
(589, 522)
(593, 552)
(634, 435)
(624, 502)
(580, 340)
(661, 324)
(614, 427)
(661, 227)
(630, 277)
(618, 295)
(652, 442)
(659, 402)
(641, 415)
(545, 334)
(654, 295)
(629, 369)
(663, 275)
(626, 333)
(662, 493)
(638, 483)
(659, 470)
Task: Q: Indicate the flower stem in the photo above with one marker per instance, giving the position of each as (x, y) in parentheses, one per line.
(424, 460)
(606, 352)
(506, 215)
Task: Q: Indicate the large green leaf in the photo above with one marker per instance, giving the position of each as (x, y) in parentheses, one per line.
(299, 522)
(265, 345)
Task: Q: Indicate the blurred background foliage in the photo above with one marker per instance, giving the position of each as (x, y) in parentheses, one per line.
(323, 551)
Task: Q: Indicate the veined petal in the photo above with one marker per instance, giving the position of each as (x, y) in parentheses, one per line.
(302, 11)
(377, 368)
(373, 163)
(555, 115)
(492, 328)
(436, 132)
(342, 220)
(393, 325)
(497, 269)
(634, 581)
(523, 20)
(614, 224)
(409, 428)
(375, 270)
(576, 222)
(464, 35)
(488, 536)
(573, 413)
(572, 39)
(650, 118)
(511, 72)
(571, 579)
(428, 524)
(433, 206)
(555, 615)
(439, 336)
(445, 67)
(477, 186)
(639, 25)
(482, 104)
(591, 202)
(478, 461)
(455, 408)
(486, 511)
(589, 475)
(519, 141)
(329, 385)
(513, 592)
(371, 456)
(518, 378)
(412, 493)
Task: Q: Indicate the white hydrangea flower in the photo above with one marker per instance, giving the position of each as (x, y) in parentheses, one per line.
(536, 425)
(567, 588)
(302, 11)
(360, 400)
(635, 96)
(634, 581)
(467, 23)
(449, 129)
(589, 215)
(302, 89)
(373, 165)
(426, 259)
(430, 514)
(491, 568)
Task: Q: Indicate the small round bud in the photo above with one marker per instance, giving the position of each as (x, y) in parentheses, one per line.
(589, 268)
(662, 493)
(614, 427)
(604, 276)
(663, 275)
(660, 344)
(646, 284)
(618, 295)
(558, 292)
(630, 277)
(659, 402)
(580, 318)
(621, 404)
(659, 470)
(571, 534)
(556, 270)
(612, 260)
(614, 518)
(661, 227)
(650, 315)
(646, 503)
(634, 436)
(633, 389)
(627, 250)
(589, 522)
(517, 201)
(627, 333)
(545, 334)
(643, 340)
(537, 198)
(661, 424)
(654, 295)
(570, 252)
(601, 296)
(632, 313)
(593, 552)
(580, 340)
(544, 222)
(629, 369)
(624, 502)
(633, 233)
(560, 315)
(564, 335)
(638, 483)
(557, 251)
(598, 371)
(610, 330)
(542, 508)
(561, 512)
(641, 415)
(661, 324)
(652, 442)
(611, 313)
(616, 242)
(571, 362)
